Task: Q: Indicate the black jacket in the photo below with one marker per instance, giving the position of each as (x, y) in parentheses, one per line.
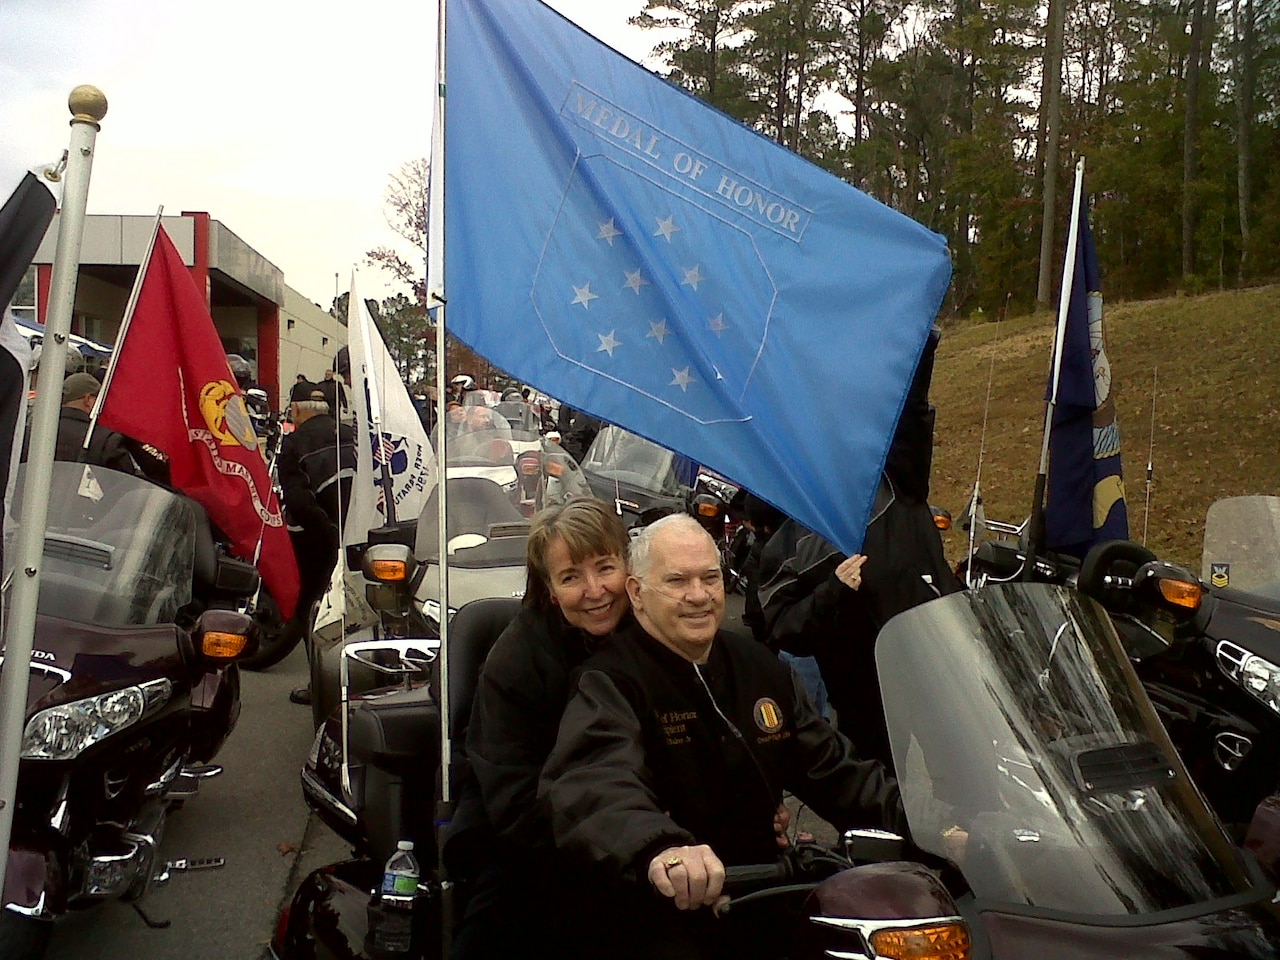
(106, 449)
(808, 612)
(316, 467)
(518, 703)
(655, 751)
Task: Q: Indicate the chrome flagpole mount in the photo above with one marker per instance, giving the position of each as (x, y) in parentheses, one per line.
(88, 106)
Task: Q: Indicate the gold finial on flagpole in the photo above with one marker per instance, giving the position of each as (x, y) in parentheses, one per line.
(88, 104)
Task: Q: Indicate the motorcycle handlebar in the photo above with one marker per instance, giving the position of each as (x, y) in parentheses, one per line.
(754, 874)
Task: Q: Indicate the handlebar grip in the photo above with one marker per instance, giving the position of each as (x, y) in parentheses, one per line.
(735, 878)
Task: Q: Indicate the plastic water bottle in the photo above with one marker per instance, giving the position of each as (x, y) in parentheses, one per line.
(391, 911)
(400, 875)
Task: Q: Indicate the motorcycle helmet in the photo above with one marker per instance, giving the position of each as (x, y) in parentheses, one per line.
(463, 382)
(240, 369)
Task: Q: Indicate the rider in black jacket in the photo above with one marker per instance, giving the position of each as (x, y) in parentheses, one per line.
(316, 468)
(809, 611)
(675, 750)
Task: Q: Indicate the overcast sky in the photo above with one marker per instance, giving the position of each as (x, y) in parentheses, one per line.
(280, 118)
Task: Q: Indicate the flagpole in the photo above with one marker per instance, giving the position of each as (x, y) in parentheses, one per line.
(373, 402)
(1036, 526)
(88, 106)
(125, 323)
(436, 295)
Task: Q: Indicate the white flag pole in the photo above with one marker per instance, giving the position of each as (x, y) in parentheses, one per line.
(88, 106)
(436, 297)
(125, 323)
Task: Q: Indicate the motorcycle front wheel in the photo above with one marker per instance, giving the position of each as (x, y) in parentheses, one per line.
(23, 938)
(275, 640)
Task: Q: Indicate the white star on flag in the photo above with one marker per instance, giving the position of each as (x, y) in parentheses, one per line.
(681, 380)
(666, 228)
(693, 277)
(717, 324)
(658, 330)
(635, 281)
(608, 231)
(608, 343)
(584, 296)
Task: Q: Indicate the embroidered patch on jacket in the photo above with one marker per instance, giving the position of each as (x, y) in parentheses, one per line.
(768, 715)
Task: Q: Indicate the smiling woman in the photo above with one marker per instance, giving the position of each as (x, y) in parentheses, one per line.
(574, 601)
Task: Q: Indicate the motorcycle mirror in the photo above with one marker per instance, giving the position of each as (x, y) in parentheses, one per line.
(1178, 588)
(226, 635)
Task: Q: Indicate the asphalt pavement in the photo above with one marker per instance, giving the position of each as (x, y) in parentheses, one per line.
(254, 817)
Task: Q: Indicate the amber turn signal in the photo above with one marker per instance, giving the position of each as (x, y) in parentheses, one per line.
(944, 941)
(222, 646)
(1180, 593)
(389, 571)
(555, 468)
(708, 510)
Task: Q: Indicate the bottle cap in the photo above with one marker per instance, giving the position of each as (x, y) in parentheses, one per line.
(404, 845)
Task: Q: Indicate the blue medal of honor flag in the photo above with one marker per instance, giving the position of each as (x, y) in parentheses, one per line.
(643, 257)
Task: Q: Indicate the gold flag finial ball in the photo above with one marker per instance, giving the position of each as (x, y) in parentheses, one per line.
(88, 104)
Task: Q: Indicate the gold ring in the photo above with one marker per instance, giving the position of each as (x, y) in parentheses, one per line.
(672, 862)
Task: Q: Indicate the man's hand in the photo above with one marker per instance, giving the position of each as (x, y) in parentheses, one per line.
(692, 876)
(782, 823)
(850, 571)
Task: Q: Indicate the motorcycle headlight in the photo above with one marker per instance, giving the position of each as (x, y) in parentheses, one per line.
(1256, 674)
(64, 731)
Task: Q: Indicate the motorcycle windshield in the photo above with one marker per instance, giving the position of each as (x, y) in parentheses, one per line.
(1015, 717)
(118, 550)
(497, 481)
(1242, 545)
(617, 456)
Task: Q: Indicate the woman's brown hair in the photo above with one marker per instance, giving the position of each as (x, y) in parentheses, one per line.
(588, 527)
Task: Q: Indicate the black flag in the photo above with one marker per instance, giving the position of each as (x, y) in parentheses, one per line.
(24, 218)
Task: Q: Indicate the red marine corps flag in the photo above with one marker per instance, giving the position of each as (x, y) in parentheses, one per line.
(170, 387)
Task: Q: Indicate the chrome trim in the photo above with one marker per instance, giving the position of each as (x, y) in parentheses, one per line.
(38, 912)
(170, 774)
(64, 676)
(426, 648)
(1231, 658)
(314, 789)
(59, 819)
(94, 886)
(148, 848)
(1230, 749)
(865, 929)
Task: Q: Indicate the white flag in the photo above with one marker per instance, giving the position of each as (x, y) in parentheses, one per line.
(388, 431)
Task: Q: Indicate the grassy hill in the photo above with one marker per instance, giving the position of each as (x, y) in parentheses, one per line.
(1213, 360)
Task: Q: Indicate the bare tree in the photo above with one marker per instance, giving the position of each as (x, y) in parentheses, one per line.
(407, 204)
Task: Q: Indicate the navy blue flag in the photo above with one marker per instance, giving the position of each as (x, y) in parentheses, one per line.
(1085, 503)
(647, 259)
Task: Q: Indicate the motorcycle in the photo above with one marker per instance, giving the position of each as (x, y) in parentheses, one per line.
(498, 479)
(1206, 650)
(134, 688)
(645, 481)
(1050, 815)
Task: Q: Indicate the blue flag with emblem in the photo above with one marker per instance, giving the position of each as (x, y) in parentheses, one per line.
(1085, 503)
(647, 259)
